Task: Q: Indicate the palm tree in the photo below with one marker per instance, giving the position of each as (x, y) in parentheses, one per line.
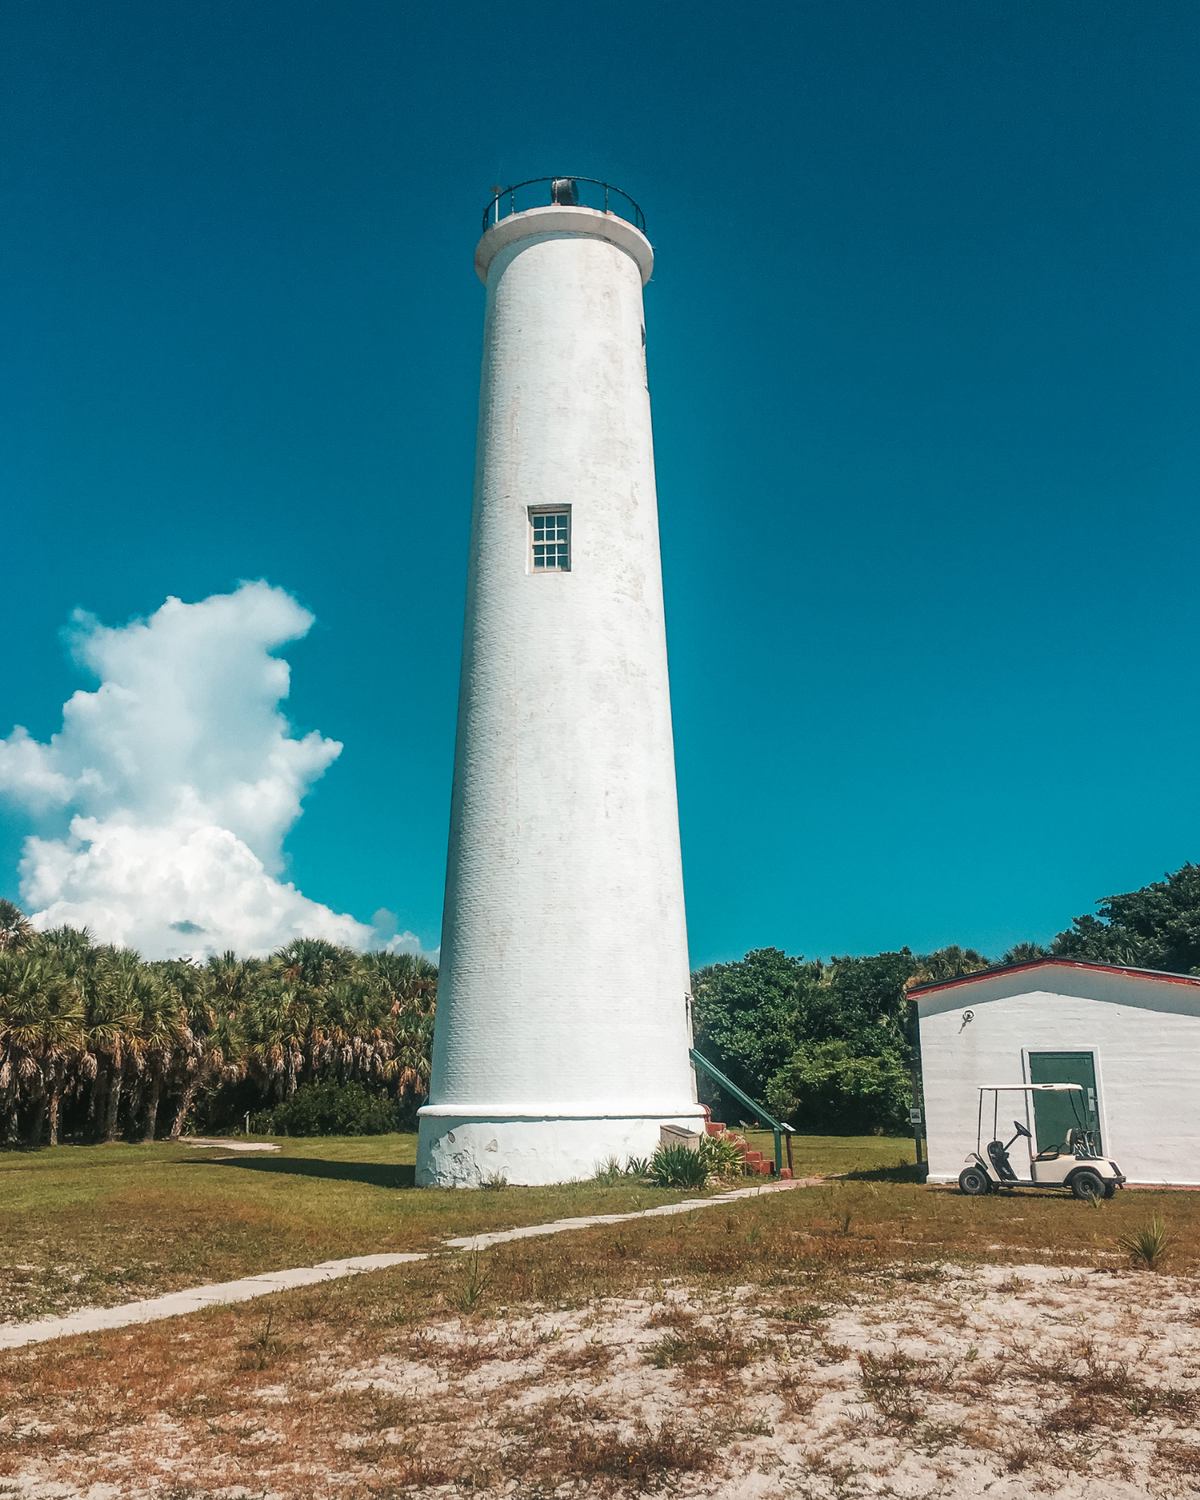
(408, 980)
(116, 1008)
(160, 1030)
(945, 963)
(41, 1030)
(189, 1064)
(71, 950)
(94, 1040)
(16, 930)
(235, 981)
(313, 963)
(1025, 953)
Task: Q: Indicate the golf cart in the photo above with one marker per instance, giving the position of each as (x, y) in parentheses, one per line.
(1075, 1164)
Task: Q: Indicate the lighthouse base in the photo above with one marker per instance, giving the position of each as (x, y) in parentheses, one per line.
(463, 1147)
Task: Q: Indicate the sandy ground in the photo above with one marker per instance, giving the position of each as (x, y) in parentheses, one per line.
(920, 1382)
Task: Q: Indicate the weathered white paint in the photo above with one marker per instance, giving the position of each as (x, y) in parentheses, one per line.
(1144, 1030)
(561, 1036)
(545, 1148)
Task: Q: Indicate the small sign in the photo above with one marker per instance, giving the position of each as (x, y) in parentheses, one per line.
(914, 1117)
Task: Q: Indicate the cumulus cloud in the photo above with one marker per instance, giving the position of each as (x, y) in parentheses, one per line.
(168, 792)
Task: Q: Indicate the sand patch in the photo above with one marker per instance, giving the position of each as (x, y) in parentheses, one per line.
(901, 1381)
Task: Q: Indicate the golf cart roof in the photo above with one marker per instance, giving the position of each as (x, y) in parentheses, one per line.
(1031, 1088)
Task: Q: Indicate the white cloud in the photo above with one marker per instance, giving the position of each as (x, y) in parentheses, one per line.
(386, 934)
(171, 787)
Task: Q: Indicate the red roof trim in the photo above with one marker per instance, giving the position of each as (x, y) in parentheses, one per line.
(1042, 963)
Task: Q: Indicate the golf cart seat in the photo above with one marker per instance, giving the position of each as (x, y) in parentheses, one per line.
(998, 1156)
(1051, 1153)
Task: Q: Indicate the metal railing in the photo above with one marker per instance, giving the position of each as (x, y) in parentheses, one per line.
(782, 1133)
(571, 192)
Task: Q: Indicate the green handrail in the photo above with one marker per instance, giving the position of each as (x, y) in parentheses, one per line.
(763, 1116)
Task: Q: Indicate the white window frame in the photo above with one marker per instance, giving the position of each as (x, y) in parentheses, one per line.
(548, 510)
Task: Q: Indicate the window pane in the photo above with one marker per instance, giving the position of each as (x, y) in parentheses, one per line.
(550, 541)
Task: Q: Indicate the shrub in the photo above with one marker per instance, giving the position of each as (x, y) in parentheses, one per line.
(677, 1166)
(330, 1108)
(721, 1157)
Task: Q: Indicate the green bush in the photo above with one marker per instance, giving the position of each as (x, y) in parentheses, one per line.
(829, 1087)
(330, 1108)
(676, 1166)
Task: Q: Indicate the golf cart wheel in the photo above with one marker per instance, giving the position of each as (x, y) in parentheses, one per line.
(974, 1181)
(1087, 1185)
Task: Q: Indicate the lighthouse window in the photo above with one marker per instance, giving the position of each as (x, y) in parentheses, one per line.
(551, 534)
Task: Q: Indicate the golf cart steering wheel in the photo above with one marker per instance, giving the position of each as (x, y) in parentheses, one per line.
(1021, 1130)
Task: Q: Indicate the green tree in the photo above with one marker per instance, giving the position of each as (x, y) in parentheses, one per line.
(747, 1014)
(755, 1018)
(1154, 927)
(826, 1086)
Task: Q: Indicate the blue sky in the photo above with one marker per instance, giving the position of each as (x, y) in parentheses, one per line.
(924, 339)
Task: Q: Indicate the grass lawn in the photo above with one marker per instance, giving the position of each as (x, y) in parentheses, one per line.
(96, 1225)
(833, 1155)
(857, 1339)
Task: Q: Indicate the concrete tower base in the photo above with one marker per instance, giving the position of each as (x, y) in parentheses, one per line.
(466, 1149)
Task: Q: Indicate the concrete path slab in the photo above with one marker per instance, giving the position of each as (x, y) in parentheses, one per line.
(559, 1226)
(195, 1299)
(219, 1143)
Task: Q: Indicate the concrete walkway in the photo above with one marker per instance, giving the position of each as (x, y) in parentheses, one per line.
(222, 1143)
(559, 1226)
(195, 1299)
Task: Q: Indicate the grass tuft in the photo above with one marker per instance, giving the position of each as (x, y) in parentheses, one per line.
(474, 1285)
(1149, 1246)
(264, 1348)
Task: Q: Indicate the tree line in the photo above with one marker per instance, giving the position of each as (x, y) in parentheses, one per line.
(831, 1045)
(97, 1044)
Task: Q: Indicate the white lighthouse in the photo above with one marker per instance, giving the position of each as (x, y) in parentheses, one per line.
(563, 1024)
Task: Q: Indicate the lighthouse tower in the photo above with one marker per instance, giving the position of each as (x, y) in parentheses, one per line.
(563, 1021)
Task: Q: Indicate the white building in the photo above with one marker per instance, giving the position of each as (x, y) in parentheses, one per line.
(1131, 1037)
(563, 1025)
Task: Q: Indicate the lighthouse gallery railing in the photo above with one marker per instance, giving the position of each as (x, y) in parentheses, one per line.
(584, 192)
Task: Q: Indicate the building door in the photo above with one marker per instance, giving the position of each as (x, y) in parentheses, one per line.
(1054, 1114)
